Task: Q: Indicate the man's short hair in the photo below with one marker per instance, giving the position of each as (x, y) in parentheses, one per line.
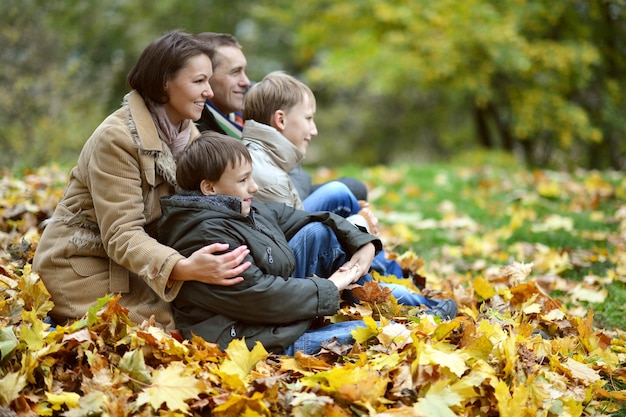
(215, 40)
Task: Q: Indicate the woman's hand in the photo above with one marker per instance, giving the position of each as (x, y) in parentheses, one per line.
(362, 258)
(204, 266)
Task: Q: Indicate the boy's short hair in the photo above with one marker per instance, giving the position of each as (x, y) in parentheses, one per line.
(215, 40)
(276, 91)
(207, 157)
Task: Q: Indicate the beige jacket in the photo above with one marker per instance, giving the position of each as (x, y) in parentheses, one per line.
(273, 157)
(101, 238)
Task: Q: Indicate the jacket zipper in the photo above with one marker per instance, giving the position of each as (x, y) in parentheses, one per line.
(269, 255)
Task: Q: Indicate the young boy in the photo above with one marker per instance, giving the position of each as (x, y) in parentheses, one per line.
(278, 113)
(216, 205)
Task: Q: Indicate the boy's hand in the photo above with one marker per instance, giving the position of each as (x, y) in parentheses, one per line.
(344, 277)
(362, 258)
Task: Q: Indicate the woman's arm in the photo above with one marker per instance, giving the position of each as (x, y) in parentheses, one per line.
(262, 298)
(205, 266)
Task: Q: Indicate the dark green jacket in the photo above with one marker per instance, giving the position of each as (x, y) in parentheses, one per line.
(267, 306)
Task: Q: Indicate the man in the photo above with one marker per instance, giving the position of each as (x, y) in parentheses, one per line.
(222, 113)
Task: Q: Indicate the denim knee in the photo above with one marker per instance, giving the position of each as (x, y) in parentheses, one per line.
(310, 342)
(317, 251)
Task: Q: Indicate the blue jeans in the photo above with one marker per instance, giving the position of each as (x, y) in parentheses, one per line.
(333, 196)
(337, 198)
(310, 342)
(318, 252)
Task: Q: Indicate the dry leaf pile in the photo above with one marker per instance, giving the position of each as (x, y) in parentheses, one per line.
(512, 351)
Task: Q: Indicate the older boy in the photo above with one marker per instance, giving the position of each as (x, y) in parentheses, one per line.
(216, 205)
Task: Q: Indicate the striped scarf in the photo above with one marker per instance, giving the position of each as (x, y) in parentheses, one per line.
(232, 125)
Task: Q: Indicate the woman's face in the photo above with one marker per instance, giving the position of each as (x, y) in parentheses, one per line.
(189, 89)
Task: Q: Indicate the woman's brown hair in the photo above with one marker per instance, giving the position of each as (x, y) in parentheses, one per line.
(161, 61)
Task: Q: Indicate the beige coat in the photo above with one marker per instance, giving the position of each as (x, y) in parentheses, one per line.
(101, 238)
(273, 157)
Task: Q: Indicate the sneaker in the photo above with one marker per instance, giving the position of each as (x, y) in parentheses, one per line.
(445, 309)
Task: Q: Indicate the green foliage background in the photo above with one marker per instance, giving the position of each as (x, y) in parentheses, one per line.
(396, 80)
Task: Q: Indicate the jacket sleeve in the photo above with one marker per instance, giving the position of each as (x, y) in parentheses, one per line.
(262, 299)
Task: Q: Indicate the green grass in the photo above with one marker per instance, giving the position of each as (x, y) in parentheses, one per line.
(571, 213)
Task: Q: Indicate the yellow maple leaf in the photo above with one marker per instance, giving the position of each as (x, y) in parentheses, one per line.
(513, 405)
(439, 355)
(395, 334)
(10, 386)
(467, 386)
(592, 295)
(363, 334)
(551, 260)
(549, 189)
(483, 288)
(438, 400)
(33, 335)
(172, 387)
(242, 406)
(36, 296)
(581, 371)
(240, 360)
(353, 383)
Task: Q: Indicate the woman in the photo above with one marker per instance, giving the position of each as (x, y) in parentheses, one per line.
(102, 236)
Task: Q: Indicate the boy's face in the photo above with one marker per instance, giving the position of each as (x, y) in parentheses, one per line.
(299, 126)
(237, 181)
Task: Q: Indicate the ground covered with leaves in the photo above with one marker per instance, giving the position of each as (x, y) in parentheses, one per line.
(528, 273)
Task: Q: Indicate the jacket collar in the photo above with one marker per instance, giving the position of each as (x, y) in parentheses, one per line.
(278, 148)
(226, 201)
(146, 137)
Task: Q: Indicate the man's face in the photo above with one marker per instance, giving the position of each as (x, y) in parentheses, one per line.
(229, 81)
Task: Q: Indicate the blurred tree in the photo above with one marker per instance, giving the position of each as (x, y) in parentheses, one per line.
(395, 79)
(57, 70)
(64, 65)
(534, 76)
